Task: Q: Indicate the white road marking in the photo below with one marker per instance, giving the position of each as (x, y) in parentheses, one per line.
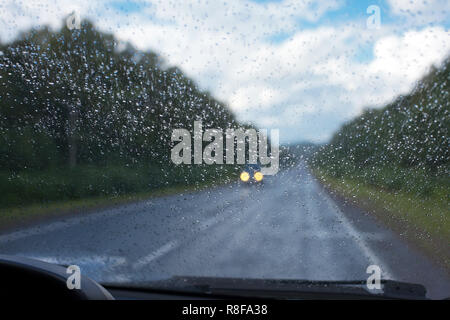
(102, 268)
(13, 236)
(325, 235)
(358, 237)
(53, 226)
(209, 223)
(104, 260)
(155, 254)
(169, 246)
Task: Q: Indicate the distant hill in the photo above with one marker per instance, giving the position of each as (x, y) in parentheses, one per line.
(292, 154)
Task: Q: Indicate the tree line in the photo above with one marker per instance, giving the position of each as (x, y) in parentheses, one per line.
(81, 116)
(72, 97)
(409, 135)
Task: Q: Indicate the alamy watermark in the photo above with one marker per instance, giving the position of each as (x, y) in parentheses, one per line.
(214, 152)
(74, 280)
(374, 20)
(73, 21)
(374, 280)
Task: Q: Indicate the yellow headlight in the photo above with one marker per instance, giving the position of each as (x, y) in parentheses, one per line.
(245, 176)
(258, 176)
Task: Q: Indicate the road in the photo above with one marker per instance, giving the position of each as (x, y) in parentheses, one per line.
(289, 227)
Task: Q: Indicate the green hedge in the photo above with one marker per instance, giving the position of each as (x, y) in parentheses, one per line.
(30, 187)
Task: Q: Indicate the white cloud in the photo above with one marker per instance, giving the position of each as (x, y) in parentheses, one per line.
(307, 84)
(420, 12)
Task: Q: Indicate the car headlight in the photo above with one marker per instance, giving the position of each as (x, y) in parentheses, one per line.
(245, 176)
(258, 176)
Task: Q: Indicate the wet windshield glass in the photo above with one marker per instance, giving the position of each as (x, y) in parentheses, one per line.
(256, 139)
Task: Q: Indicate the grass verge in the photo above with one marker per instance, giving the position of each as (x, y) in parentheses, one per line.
(425, 222)
(25, 215)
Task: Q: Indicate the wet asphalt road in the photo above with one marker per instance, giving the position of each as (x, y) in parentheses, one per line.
(288, 227)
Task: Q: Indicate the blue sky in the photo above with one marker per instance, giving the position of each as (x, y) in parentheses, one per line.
(301, 66)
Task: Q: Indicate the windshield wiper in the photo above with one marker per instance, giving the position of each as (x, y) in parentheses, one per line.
(283, 289)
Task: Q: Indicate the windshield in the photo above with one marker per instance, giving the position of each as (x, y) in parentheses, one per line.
(253, 139)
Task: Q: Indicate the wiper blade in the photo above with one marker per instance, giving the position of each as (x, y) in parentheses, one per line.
(286, 288)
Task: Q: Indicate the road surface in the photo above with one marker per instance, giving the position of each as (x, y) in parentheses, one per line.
(288, 227)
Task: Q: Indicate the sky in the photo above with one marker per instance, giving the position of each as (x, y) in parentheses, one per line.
(301, 66)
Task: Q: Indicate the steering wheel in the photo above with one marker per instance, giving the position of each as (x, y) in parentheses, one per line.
(24, 278)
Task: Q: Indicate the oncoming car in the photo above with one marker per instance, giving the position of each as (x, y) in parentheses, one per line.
(252, 174)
